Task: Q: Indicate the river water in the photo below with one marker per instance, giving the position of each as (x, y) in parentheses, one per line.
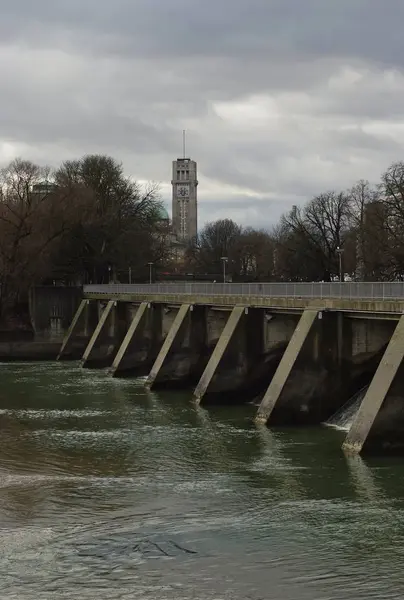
(108, 491)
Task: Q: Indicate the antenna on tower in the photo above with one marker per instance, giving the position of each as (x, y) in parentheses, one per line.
(183, 143)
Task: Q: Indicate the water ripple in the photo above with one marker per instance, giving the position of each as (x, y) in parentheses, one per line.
(109, 492)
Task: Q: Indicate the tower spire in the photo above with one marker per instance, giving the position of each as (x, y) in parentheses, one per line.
(183, 143)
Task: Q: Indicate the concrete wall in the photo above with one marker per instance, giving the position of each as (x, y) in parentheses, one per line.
(111, 335)
(146, 342)
(352, 305)
(215, 322)
(52, 309)
(339, 357)
(387, 432)
(184, 359)
(278, 328)
(243, 371)
(369, 335)
(168, 317)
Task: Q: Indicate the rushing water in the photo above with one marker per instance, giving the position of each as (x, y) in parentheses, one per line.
(345, 416)
(107, 492)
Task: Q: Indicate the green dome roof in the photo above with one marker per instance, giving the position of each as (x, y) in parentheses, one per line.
(162, 214)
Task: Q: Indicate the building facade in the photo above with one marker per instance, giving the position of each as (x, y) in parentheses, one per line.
(184, 199)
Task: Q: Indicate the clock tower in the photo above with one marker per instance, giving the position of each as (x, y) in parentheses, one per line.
(184, 204)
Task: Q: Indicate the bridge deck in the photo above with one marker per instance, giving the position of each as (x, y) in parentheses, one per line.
(351, 290)
(378, 298)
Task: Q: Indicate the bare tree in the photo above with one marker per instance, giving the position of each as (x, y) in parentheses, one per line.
(317, 230)
(32, 218)
(253, 255)
(215, 241)
(391, 224)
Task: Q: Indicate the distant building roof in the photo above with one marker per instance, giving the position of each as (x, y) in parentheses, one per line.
(44, 187)
(163, 214)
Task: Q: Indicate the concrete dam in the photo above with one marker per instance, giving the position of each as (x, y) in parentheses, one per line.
(299, 351)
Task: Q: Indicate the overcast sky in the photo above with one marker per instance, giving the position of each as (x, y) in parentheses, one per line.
(281, 99)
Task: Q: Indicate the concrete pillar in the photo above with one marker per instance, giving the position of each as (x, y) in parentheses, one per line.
(285, 366)
(168, 342)
(113, 322)
(218, 352)
(155, 331)
(87, 321)
(83, 305)
(103, 318)
(377, 391)
(241, 374)
(128, 337)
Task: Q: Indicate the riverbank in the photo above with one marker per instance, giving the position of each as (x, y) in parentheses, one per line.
(35, 330)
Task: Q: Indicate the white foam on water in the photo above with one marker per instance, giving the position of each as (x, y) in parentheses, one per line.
(342, 420)
(53, 413)
(9, 480)
(345, 428)
(268, 464)
(101, 433)
(14, 540)
(74, 434)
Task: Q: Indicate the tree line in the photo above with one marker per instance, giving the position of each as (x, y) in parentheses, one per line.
(360, 229)
(87, 222)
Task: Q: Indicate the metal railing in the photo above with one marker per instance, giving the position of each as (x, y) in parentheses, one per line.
(353, 290)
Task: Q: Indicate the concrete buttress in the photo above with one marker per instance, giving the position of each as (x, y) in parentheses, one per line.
(377, 391)
(103, 318)
(286, 365)
(168, 342)
(76, 318)
(218, 352)
(128, 337)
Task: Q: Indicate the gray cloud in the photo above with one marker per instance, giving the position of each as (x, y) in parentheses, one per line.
(281, 98)
(363, 28)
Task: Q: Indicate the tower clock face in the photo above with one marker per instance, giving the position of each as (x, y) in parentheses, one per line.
(183, 191)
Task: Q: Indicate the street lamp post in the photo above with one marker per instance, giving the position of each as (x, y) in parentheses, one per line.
(340, 252)
(224, 260)
(150, 271)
